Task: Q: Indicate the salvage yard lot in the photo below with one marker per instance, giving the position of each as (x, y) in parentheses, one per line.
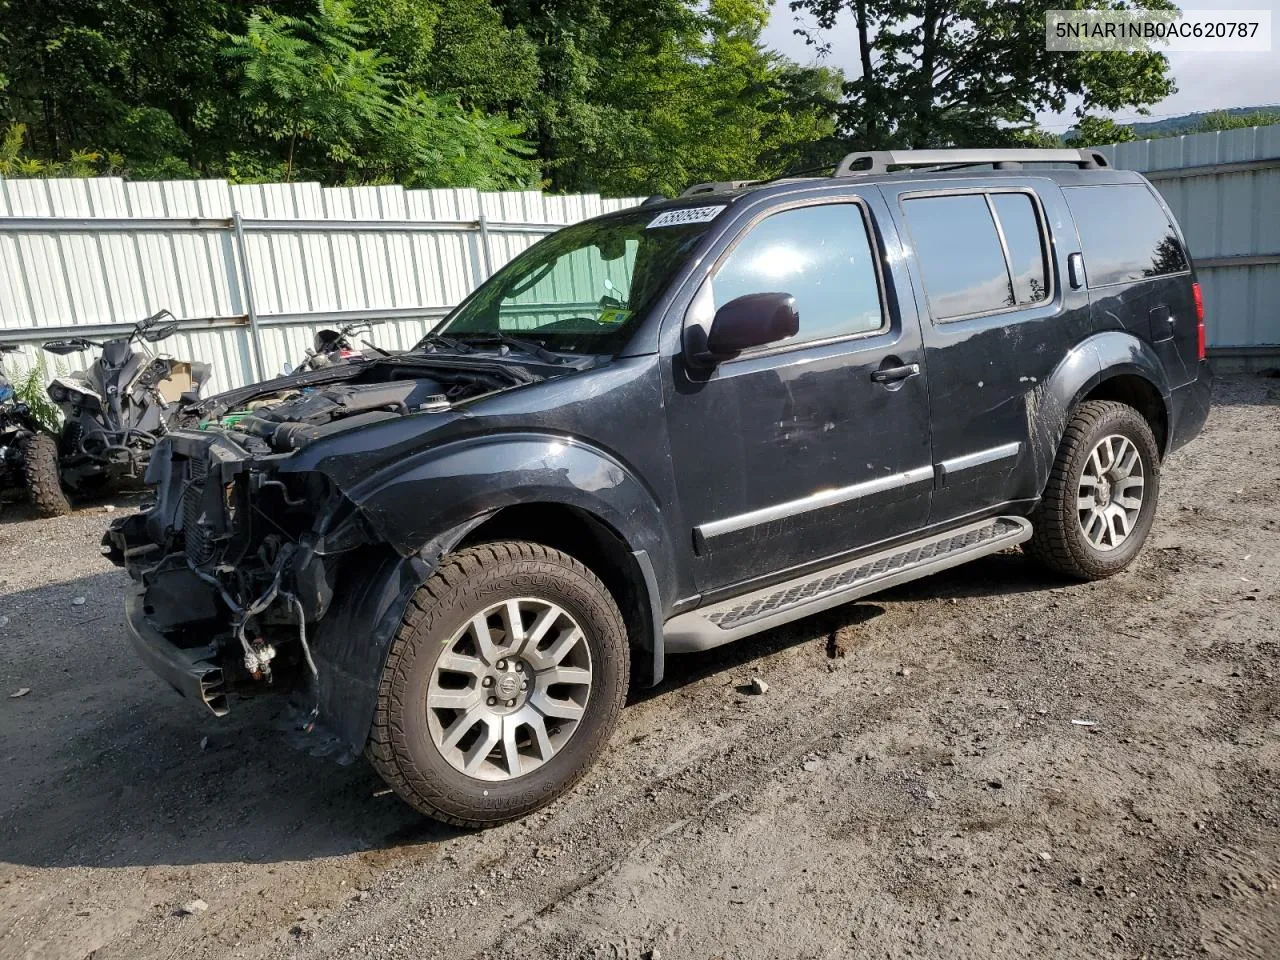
(914, 781)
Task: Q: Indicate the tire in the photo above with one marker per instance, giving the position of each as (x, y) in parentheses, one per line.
(1060, 541)
(409, 742)
(40, 468)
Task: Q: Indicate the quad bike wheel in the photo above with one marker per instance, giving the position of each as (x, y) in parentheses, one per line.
(40, 467)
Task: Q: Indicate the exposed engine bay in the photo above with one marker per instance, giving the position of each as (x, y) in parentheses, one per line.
(243, 548)
(293, 411)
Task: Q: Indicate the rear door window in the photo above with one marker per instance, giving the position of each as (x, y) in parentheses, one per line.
(1125, 234)
(979, 253)
(1028, 263)
(820, 254)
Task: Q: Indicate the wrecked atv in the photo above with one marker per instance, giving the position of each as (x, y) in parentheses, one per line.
(660, 431)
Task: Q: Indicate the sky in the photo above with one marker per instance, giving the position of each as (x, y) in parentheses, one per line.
(1205, 81)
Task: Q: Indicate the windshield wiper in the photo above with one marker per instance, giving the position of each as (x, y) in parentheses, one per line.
(530, 347)
(449, 343)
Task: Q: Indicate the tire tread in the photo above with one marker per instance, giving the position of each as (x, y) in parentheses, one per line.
(384, 748)
(1053, 541)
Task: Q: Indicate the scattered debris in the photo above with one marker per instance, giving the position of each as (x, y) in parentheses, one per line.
(191, 908)
(1046, 856)
(4, 621)
(382, 793)
(20, 692)
(109, 508)
(758, 686)
(811, 765)
(995, 783)
(204, 743)
(1085, 723)
(78, 602)
(904, 671)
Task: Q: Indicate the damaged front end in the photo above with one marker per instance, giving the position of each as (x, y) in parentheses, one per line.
(229, 565)
(248, 542)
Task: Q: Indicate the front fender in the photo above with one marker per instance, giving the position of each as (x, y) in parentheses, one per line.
(414, 499)
(1094, 360)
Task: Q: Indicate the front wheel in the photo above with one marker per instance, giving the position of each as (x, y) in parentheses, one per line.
(40, 469)
(1100, 501)
(502, 686)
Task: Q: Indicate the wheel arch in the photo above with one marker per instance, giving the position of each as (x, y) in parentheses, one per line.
(626, 572)
(1113, 365)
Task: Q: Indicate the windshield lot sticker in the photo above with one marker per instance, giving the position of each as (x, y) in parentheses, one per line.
(679, 218)
(614, 316)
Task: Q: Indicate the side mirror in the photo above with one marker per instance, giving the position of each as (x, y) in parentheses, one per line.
(754, 320)
(64, 347)
(156, 334)
(326, 340)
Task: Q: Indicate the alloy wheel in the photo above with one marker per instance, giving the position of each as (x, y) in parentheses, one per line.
(510, 689)
(1110, 497)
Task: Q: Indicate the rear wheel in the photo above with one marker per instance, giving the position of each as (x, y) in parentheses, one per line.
(502, 685)
(1100, 501)
(40, 469)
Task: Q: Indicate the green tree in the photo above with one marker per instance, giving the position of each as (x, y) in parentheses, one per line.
(309, 80)
(1090, 131)
(970, 72)
(320, 90)
(1225, 120)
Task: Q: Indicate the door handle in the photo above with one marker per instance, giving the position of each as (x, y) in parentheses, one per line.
(894, 374)
(1075, 270)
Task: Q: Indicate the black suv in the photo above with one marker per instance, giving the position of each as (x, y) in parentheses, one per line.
(665, 429)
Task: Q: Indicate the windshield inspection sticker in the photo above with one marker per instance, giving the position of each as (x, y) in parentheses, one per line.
(687, 215)
(612, 316)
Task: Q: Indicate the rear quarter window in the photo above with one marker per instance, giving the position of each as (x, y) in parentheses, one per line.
(1125, 234)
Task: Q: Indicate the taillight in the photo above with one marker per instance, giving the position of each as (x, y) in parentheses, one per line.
(1199, 298)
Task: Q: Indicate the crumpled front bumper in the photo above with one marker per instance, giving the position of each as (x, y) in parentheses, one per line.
(193, 672)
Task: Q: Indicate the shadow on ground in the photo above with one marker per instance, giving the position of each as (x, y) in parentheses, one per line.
(105, 766)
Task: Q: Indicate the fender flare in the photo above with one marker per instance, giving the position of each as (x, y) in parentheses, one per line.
(1093, 361)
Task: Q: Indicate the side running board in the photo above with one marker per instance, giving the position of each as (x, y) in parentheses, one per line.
(781, 603)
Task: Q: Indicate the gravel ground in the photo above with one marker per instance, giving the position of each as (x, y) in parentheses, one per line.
(985, 764)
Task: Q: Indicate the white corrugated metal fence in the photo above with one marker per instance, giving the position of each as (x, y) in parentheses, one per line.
(252, 271)
(1224, 188)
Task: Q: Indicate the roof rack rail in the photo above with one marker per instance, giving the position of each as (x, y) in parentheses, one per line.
(715, 186)
(879, 161)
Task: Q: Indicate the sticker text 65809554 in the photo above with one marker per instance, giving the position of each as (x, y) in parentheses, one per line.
(686, 215)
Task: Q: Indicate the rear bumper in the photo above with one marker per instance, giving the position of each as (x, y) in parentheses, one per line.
(193, 672)
(1189, 405)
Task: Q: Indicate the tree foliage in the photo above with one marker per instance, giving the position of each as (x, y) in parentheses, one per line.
(565, 94)
(1224, 120)
(939, 73)
(576, 95)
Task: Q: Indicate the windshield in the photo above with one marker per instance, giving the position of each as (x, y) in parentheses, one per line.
(584, 288)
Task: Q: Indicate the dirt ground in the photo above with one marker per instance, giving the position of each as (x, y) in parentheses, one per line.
(918, 781)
